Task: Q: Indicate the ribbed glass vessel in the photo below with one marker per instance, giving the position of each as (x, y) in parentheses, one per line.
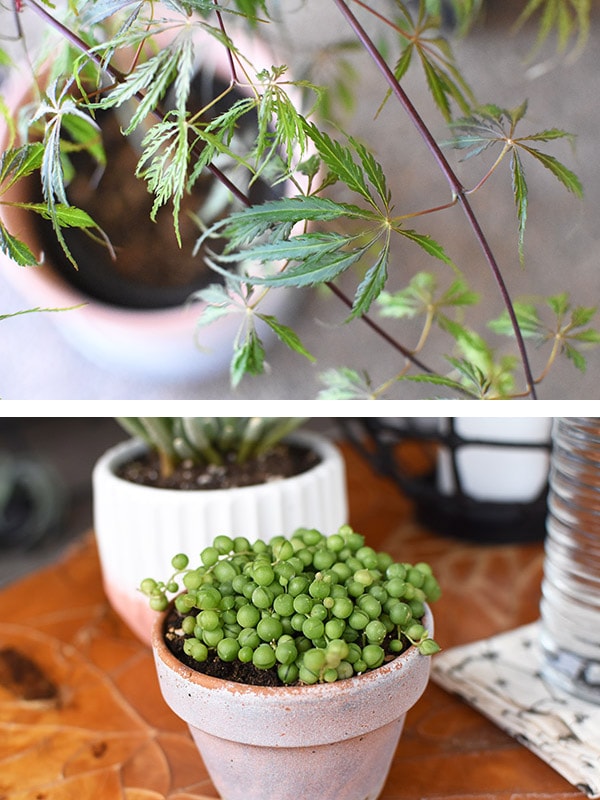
(570, 606)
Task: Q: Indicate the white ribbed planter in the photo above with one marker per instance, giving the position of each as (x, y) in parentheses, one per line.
(329, 741)
(139, 528)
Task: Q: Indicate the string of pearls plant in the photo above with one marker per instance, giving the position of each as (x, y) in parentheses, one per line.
(314, 608)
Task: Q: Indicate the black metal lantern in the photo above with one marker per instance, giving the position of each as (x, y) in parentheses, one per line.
(453, 512)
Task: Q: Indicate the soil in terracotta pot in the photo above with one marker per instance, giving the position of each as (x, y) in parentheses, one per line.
(283, 461)
(213, 666)
(150, 269)
(234, 671)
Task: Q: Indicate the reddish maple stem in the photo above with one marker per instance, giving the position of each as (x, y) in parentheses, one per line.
(456, 186)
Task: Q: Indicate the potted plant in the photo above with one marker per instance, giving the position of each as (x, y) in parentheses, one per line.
(120, 289)
(180, 479)
(358, 227)
(294, 660)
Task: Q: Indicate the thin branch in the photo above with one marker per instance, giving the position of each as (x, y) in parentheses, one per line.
(380, 331)
(490, 171)
(449, 174)
(119, 77)
(75, 40)
(232, 69)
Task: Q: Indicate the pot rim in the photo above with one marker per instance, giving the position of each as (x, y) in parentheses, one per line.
(291, 716)
(120, 453)
(401, 662)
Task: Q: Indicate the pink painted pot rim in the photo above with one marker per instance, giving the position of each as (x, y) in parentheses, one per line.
(321, 713)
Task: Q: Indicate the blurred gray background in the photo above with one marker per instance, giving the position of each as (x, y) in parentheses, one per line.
(45, 486)
(46, 468)
(561, 241)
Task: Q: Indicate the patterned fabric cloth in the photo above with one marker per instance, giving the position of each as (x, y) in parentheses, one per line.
(500, 677)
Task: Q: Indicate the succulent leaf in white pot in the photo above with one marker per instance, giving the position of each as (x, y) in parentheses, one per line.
(138, 527)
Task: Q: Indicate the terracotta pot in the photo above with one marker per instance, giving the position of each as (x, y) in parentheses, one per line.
(325, 741)
(140, 528)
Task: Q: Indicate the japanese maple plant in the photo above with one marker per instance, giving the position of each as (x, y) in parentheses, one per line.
(344, 221)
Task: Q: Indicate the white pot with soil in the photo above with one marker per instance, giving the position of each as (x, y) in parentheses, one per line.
(138, 528)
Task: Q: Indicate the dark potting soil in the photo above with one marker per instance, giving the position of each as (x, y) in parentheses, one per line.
(213, 666)
(283, 461)
(146, 251)
(225, 670)
(149, 268)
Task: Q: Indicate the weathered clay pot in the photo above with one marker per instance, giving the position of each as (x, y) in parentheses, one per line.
(326, 741)
(139, 528)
